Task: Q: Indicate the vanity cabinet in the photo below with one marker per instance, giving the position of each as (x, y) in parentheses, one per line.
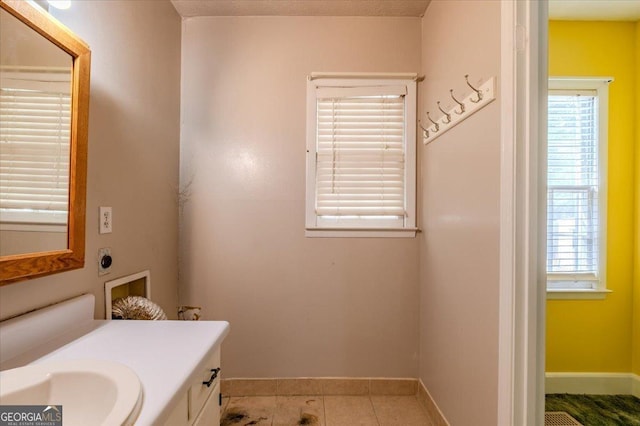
(172, 359)
(205, 390)
(200, 405)
(210, 412)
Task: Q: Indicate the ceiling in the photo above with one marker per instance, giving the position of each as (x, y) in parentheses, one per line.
(627, 10)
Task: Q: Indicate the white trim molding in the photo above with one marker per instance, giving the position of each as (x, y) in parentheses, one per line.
(568, 285)
(593, 383)
(369, 75)
(380, 220)
(586, 294)
(523, 85)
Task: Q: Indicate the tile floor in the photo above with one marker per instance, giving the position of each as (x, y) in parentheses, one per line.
(319, 410)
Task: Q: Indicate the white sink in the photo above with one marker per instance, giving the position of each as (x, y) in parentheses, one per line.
(91, 392)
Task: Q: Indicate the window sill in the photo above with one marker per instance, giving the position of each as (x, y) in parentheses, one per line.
(576, 294)
(360, 233)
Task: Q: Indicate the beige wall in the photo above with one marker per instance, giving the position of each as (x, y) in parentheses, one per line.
(297, 306)
(133, 152)
(22, 46)
(459, 250)
(16, 242)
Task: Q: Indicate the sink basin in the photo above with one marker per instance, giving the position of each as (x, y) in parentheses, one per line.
(91, 392)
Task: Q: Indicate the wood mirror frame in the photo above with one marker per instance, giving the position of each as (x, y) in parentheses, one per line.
(31, 265)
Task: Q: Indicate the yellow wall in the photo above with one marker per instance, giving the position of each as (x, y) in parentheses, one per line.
(596, 335)
(636, 289)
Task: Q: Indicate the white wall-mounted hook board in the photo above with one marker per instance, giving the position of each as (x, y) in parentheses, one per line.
(455, 117)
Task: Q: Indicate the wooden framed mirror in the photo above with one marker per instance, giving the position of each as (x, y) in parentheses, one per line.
(42, 177)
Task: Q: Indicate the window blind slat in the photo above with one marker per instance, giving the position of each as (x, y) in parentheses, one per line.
(34, 149)
(572, 182)
(360, 155)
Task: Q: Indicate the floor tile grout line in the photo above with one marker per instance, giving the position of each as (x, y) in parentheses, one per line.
(324, 410)
(373, 407)
(375, 410)
(424, 410)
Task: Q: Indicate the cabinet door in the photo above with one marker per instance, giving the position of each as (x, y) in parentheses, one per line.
(210, 414)
(179, 416)
(202, 387)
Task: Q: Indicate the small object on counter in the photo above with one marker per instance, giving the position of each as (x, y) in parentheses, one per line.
(189, 313)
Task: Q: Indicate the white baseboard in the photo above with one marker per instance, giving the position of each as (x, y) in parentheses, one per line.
(593, 383)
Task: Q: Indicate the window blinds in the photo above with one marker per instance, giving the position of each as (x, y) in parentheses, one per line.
(360, 157)
(572, 206)
(34, 151)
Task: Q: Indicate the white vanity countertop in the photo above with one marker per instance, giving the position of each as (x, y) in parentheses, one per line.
(164, 354)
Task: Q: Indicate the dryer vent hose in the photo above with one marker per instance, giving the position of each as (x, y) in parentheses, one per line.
(136, 308)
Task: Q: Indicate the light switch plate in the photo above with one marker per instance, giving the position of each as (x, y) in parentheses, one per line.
(106, 220)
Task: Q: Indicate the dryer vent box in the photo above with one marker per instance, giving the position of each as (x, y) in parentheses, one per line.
(132, 285)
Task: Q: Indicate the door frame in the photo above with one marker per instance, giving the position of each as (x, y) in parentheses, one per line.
(522, 286)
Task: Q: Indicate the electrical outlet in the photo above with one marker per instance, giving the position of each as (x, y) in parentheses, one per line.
(104, 261)
(106, 220)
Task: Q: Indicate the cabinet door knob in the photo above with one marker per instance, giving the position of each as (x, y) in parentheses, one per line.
(214, 374)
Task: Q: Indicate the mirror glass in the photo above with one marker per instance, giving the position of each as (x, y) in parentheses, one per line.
(35, 134)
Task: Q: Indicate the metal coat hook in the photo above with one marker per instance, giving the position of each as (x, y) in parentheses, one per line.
(426, 132)
(455, 113)
(434, 123)
(446, 114)
(458, 102)
(479, 92)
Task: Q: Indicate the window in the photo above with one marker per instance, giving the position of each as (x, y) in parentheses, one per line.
(361, 171)
(34, 161)
(576, 185)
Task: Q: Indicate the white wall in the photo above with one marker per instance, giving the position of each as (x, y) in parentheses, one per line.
(459, 248)
(133, 152)
(297, 306)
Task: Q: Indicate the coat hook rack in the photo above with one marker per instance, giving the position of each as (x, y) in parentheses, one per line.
(480, 97)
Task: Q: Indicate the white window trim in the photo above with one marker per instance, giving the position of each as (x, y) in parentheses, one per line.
(351, 80)
(601, 86)
(586, 294)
